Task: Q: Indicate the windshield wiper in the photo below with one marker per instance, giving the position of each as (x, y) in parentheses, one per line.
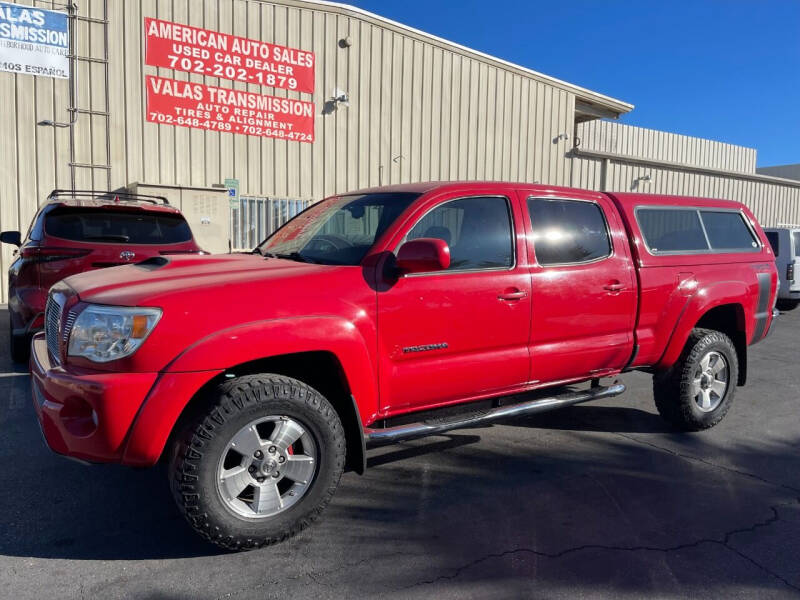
(296, 256)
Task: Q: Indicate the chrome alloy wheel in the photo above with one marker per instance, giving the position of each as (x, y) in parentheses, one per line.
(710, 382)
(267, 467)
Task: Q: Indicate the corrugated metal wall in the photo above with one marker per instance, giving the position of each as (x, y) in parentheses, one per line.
(417, 111)
(771, 202)
(618, 138)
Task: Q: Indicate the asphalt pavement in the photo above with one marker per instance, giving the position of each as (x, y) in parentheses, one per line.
(596, 501)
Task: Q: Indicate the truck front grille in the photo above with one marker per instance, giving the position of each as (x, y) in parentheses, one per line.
(52, 325)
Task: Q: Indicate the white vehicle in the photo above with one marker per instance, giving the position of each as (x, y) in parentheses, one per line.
(785, 242)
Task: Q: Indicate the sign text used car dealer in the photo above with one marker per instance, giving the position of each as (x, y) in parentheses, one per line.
(214, 54)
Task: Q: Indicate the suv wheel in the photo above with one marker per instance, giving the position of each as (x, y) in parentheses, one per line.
(19, 345)
(697, 392)
(259, 462)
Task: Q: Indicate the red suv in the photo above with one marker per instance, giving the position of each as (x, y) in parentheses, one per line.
(80, 230)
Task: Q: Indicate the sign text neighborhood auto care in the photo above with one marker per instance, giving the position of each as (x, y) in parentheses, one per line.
(201, 106)
(33, 41)
(176, 46)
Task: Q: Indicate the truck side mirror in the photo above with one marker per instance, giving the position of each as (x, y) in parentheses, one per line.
(11, 237)
(423, 255)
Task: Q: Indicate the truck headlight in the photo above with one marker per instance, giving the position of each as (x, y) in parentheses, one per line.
(106, 333)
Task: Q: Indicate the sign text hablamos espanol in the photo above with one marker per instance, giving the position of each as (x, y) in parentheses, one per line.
(205, 52)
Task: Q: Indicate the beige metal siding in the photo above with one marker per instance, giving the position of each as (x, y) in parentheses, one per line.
(417, 110)
(617, 138)
(771, 203)
(35, 159)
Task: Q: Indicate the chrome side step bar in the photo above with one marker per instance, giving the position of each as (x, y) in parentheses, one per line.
(390, 435)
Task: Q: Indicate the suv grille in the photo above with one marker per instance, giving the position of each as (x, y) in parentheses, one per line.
(52, 324)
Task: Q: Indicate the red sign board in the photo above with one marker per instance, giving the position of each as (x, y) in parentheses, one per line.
(188, 104)
(195, 50)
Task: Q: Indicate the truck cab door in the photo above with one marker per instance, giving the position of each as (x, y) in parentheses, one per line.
(584, 287)
(461, 333)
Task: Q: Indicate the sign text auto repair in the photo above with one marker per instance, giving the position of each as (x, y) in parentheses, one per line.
(211, 53)
(201, 106)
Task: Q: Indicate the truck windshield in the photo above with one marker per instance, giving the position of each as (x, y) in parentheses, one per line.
(337, 231)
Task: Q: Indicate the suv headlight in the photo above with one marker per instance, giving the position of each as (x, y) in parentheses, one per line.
(106, 333)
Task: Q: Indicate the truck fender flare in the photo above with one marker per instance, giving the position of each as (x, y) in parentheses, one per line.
(225, 350)
(702, 300)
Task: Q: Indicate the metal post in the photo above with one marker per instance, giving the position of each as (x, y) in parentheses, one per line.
(72, 13)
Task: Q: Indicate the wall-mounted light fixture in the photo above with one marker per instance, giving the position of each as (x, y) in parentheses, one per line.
(339, 98)
(345, 42)
(49, 123)
(561, 136)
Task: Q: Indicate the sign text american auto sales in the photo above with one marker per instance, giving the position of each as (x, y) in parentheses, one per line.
(188, 104)
(215, 54)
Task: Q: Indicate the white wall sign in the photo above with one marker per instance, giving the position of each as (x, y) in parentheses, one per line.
(33, 41)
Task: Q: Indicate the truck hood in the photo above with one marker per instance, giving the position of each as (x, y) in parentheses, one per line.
(152, 282)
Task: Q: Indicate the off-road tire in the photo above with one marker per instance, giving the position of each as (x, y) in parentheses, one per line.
(19, 346)
(204, 436)
(671, 388)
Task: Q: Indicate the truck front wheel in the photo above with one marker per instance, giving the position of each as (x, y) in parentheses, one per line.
(697, 391)
(258, 462)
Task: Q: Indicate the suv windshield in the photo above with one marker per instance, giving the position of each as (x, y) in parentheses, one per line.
(337, 231)
(116, 226)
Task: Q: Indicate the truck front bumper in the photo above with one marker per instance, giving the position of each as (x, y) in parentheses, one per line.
(103, 416)
(84, 414)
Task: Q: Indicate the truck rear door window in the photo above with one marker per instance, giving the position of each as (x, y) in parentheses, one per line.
(568, 231)
(116, 226)
(796, 238)
(727, 231)
(671, 230)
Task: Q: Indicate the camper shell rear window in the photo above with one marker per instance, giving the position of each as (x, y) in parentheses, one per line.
(679, 230)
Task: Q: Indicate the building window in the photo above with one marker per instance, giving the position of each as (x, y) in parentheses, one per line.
(255, 218)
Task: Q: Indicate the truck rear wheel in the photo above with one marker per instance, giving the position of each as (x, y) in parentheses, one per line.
(697, 392)
(259, 462)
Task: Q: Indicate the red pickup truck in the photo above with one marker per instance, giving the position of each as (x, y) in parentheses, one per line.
(261, 377)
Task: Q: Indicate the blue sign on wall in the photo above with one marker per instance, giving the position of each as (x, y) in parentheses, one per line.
(34, 41)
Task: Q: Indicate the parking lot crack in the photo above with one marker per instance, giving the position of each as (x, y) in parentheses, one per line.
(723, 540)
(709, 463)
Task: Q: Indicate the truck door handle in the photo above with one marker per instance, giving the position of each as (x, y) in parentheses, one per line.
(512, 295)
(614, 286)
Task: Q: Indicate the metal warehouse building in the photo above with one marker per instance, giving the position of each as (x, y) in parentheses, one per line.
(328, 98)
